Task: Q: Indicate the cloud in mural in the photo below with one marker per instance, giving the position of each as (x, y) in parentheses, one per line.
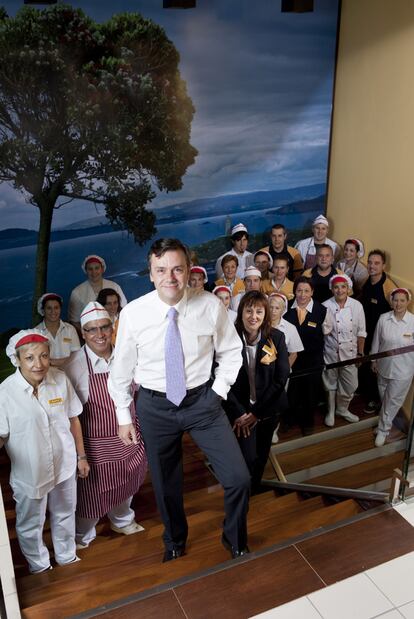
(261, 82)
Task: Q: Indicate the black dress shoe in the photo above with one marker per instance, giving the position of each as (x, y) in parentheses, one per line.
(235, 552)
(170, 555)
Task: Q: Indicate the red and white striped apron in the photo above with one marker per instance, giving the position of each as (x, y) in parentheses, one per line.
(117, 471)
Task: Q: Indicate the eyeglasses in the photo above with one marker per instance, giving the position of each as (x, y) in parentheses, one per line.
(94, 330)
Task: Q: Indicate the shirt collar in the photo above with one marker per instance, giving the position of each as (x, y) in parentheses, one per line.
(25, 386)
(95, 359)
(308, 308)
(181, 306)
(404, 319)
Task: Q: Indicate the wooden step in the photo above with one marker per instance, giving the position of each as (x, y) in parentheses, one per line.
(363, 474)
(135, 561)
(327, 451)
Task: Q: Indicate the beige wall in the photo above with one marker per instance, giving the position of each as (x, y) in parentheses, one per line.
(371, 182)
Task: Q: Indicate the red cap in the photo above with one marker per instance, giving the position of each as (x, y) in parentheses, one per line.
(29, 339)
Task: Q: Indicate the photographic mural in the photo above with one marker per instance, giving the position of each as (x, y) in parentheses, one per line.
(259, 83)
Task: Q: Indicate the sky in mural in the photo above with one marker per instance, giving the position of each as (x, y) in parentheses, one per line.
(261, 82)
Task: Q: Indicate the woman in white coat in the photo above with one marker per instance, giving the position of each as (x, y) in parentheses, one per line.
(345, 341)
(394, 329)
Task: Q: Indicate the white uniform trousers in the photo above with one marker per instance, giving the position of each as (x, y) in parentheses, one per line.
(392, 393)
(30, 520)
(343, 380)
(121, 516)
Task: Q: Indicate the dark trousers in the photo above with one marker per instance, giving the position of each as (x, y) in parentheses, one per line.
(163, 425)
(255, 449)
(303, 395)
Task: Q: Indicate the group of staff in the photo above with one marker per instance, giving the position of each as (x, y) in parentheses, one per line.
(185, 360)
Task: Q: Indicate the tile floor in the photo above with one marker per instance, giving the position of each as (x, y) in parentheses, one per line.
(385, 591)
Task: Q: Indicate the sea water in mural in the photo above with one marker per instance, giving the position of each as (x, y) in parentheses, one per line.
(261, 127)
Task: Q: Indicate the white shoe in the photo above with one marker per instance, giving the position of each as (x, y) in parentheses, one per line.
(130, 529)
(380, 438)
(45, 569)
(330, 420)
(81, 546)
(348, 416)
(74, 560)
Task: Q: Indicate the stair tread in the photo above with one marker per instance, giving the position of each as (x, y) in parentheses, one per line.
(327, 451)
(138, 574)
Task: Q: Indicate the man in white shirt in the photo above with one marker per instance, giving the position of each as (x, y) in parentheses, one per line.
(307, 247)
(94, 267)
(240, 242)
(166, 342)
(117, 471)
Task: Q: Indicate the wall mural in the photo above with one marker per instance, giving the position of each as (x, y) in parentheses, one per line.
(220, 115)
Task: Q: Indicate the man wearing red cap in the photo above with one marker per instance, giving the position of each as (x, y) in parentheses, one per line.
(117, 471)
(94, 266)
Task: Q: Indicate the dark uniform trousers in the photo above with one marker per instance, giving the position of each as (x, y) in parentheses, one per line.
(163, 425)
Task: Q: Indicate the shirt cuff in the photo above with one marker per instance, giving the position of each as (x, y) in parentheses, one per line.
(221, 388)
(124, 416)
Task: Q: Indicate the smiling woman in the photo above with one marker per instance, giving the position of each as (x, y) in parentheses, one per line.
(257, 398)
(39, 410)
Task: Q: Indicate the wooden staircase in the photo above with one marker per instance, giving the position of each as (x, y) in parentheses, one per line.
(115, 567)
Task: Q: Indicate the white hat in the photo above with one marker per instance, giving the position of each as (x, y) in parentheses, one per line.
(26, 336)
(340, 278)
(93, 311)
(198, 269)
(93, 258)
(47, 297)
(238, 228)
(402, 290)
(221, 289)
(320, 219)
(359, 246)
(263, 251)
(252, 271)
(280, 296)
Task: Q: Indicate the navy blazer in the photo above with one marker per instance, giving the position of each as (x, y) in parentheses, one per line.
(270, 381)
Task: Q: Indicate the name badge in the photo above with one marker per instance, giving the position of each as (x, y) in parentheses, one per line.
(67, 339)
(407, 335)
(55, 401)
(312, 324)
(374, 301)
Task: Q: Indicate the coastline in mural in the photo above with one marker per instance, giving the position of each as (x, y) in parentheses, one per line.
(261, 128)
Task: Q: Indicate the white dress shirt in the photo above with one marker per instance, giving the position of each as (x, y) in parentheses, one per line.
(245, 260)
(84, 293)
(205, 330)
(307, 246)
(36, 431)
(77, 370)
(292, 337)
(392, 333)
(348, 324)
(65, 342)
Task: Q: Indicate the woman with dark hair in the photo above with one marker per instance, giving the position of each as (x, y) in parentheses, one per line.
(111, 301)
(352, 266)
(63, 337)
(312, 322)
(254, 402)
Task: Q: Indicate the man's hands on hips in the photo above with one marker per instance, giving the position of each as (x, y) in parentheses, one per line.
(127, 434)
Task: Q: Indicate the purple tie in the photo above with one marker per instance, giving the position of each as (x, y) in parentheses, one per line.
(174, 361)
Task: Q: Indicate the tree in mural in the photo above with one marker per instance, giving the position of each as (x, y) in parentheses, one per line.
(91, 111)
